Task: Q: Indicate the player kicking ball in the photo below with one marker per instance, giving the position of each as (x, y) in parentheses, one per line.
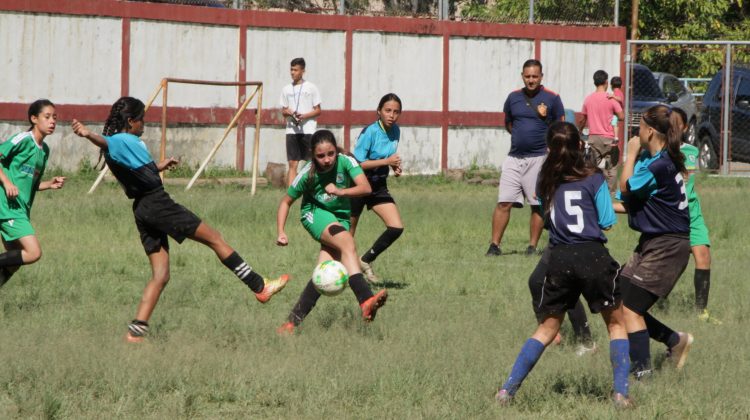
(577, 207)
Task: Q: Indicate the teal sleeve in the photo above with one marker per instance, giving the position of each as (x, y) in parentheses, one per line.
(604, 210)
(364, 142)
(642, 183)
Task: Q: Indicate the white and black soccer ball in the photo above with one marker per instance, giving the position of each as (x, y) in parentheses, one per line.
(330, 278)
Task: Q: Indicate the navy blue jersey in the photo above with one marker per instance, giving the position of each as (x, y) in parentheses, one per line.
(132, 165)
(581, 209)
(527, 137)
(657, 201)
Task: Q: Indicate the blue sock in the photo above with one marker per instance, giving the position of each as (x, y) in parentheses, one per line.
(530, 352)
(618, 355)
(640, 353)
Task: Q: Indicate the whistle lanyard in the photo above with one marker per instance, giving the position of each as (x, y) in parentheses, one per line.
(297, 96)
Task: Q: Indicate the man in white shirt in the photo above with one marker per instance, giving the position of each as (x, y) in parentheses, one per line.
(300, 105)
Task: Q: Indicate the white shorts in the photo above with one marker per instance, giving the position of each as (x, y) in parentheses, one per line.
(518, 180)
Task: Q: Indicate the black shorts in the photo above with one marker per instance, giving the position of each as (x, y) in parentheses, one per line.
(658, 262)
(585, 268)
(157, 215)
(298, 146)
(379, 195)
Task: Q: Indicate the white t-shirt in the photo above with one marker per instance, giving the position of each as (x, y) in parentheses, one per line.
(301, 99)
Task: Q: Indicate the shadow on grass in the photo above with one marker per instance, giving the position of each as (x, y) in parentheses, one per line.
(391, 284)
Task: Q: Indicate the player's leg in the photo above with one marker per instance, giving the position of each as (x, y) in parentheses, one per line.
(21, 244)
(509, 194)
(291, 172)
(309, 296)
(357, 205)
(529, 178)
(536, 226)
(702, 276)
(580, 323)
(394, 227)
(530, 353)
(619, 355)
(338, 238)
(636, 302)
(263, 288)
(159, 260)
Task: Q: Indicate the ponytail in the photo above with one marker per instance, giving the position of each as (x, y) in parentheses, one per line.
(122, 110)
(668, 124)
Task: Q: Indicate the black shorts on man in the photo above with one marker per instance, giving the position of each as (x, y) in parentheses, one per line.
(298, 146)
(584, 268)
(157, 215)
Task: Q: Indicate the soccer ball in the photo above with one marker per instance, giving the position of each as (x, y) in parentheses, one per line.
(330, 278)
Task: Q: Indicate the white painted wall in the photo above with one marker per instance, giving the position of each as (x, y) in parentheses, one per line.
(270, 51)
(64, 58)
(483, 147)
(410, 66)
(483, 71)
(188, 51)
(569, 68)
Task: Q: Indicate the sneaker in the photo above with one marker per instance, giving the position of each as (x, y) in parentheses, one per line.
(680, 350)
(622, 402)
(130, 338)
(271, 287)
(370, 306)
(503, 397)
(493, 251)
(367, 271)
(286, 329)
(706, 317)
(530, 251)
(583, 349)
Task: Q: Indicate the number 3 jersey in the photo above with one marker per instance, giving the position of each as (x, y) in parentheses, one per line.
(657, 202)
(581, 209)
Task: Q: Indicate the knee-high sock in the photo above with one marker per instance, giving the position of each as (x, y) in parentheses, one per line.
(640, 353)
(359, 287)
(244, 272)
(660, 332)
(382, 243)
(702, 281)
(619, 357)
(530, 353)
(305, 304)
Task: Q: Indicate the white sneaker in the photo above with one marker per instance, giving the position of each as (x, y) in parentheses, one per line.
(583, 349)
(367, 271)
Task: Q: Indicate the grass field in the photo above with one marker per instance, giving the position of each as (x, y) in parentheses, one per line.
(449, 334)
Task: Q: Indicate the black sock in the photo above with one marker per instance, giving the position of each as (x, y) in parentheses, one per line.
(382, 243)
(11, 258)
(660, 332)
(305, 304)
(5, 275)
(580, 323)
(702, 281)
(640, 353)
(245, 273)
(359, 287)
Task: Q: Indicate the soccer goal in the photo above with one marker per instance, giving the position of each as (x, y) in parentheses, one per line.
(163, 88)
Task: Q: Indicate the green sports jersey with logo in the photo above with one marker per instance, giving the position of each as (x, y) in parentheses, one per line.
(691, 164)
(23, 162)
(314, 194)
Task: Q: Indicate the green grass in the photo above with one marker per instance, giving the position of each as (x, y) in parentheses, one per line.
(449, 334)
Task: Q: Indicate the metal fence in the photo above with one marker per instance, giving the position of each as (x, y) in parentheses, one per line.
(719, 109)
(571, 12)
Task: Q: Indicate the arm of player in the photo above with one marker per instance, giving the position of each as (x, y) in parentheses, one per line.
(394, 161)
(83, 131)
(312, 114)
(11, 191)
(281, 215)
(53, 184)
(634, 147)
(167, 163)
(361, 188)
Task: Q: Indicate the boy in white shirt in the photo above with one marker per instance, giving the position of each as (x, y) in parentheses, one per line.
(300, 105)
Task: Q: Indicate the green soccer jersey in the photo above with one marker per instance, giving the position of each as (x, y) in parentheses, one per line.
(23, 162)
(691, 164)
(314, 194)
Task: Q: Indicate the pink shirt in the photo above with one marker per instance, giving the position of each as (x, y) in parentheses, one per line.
(599, 109)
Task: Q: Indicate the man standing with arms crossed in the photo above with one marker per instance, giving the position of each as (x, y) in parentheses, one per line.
(528, 112)
(598, 110)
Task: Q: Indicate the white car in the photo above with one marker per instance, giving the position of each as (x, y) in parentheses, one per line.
(680, 96)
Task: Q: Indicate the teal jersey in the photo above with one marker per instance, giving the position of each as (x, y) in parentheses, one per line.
(313, 193)
(691, 164)
(23, 161)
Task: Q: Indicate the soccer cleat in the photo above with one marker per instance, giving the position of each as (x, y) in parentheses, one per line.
(271, 287)
(130, 338)
(370, 306)
(493, 251)
(680, 350)
(286, 329)
(503, 397)
(706, 317)
(367, 271)
(583, 349)
(530, 251)
(622, 402)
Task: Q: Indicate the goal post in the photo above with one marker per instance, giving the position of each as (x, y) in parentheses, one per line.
(163, 88)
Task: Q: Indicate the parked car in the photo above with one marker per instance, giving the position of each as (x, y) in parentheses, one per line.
(709, 123)
(646, 93)
(679, 95)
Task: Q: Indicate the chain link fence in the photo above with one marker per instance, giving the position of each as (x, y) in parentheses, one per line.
(571, 12)
(710, 81)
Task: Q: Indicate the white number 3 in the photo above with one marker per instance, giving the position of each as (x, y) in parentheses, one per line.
(683, 193)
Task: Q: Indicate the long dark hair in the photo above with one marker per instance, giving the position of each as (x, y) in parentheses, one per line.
(389, 97)
(320, 136)
(36, 108)
(684, 121)
(565, 162)
(123, 109)
(669, 124)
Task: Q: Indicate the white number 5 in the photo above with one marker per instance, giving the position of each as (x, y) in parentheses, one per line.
(574, 210)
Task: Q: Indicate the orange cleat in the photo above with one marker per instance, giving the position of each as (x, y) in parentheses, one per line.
(370, 306)
(286, 329)
(271, 287)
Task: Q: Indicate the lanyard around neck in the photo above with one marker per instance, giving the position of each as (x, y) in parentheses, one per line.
(297, 96)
